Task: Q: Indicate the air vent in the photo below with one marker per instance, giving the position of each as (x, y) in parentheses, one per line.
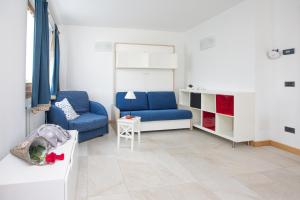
(207, 43)
(103, 47)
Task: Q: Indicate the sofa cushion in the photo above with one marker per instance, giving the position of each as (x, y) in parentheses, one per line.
(78, 99)
(140, 103)
(158, 115)
(67, 108)
(87, 122)
(161, 100)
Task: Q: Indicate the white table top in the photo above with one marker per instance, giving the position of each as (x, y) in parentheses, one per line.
(129, 121)
(14, 170)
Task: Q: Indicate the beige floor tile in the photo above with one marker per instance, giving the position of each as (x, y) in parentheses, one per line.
(192, 191)
(276, 191)
(124, 196)
(152, 194)
(184, 165)
(104, 176)
(229, 188)
(82, 179)
(253, 179)
(83, 149)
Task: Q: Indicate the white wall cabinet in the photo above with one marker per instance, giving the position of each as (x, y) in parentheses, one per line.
(132, 60)
(163, 60)
(145, 56)
(21, 181)
(226, 114)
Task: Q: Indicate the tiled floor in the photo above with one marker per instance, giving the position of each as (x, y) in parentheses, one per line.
(185, 165)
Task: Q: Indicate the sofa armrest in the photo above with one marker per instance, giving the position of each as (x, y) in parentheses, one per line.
(56, 116)
(97, 108)
(116, 113)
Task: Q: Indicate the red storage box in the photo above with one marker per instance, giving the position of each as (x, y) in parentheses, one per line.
(225, 104)
(209, 120)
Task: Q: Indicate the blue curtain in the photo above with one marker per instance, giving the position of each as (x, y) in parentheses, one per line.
(55, 75)
(40, 76)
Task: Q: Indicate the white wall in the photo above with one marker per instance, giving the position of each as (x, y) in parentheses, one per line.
(87, 69)
(285, 101)
(12, 73)
(244, 34)
(230, 65)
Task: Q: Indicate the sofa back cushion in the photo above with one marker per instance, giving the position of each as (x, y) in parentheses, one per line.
(162, 100)
(78, 99)
(140, 103)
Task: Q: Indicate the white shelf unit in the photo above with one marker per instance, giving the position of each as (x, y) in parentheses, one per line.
(184, 98)
(229, 115)
(208, 102)
(224, 125)
(196, 117)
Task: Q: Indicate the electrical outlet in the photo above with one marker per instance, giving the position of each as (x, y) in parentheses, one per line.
(289, 84)
(289, 130)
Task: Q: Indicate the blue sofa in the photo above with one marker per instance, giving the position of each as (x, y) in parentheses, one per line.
(158, 110)
(93, 119)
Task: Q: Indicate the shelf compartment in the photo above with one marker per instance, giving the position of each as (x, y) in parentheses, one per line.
(224, 125)
(196, 117)
(208, 102)
(225, 104)
(184, 98)
(195, 100)
(209, 120)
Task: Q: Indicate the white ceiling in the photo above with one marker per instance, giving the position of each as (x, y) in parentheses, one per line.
(167, 15)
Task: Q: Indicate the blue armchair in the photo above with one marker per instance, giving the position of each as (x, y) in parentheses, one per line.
(93, 120)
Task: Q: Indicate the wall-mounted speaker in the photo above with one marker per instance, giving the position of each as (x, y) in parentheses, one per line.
(207, 43)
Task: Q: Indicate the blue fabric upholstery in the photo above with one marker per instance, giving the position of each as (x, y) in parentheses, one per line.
(161, 100)
(124, 113)
(84, 136)
(78, 99)
(56, 116)
(87, 122)
(158, 115)
(40, 69)
(97, 108)
(140, 103)
(93, 119)
(55, 76)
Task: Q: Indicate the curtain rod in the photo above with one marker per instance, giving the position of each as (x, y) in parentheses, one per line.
(32, 10)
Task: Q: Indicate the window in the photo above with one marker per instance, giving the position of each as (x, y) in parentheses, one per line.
(29, 50)
(29, 46)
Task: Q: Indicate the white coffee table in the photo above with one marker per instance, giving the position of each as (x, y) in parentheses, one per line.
(127, 128)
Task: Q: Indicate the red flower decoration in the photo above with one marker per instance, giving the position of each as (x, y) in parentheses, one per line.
(52, 157)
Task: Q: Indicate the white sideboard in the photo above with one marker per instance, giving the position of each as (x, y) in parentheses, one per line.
(229, 115)
(21, 181)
